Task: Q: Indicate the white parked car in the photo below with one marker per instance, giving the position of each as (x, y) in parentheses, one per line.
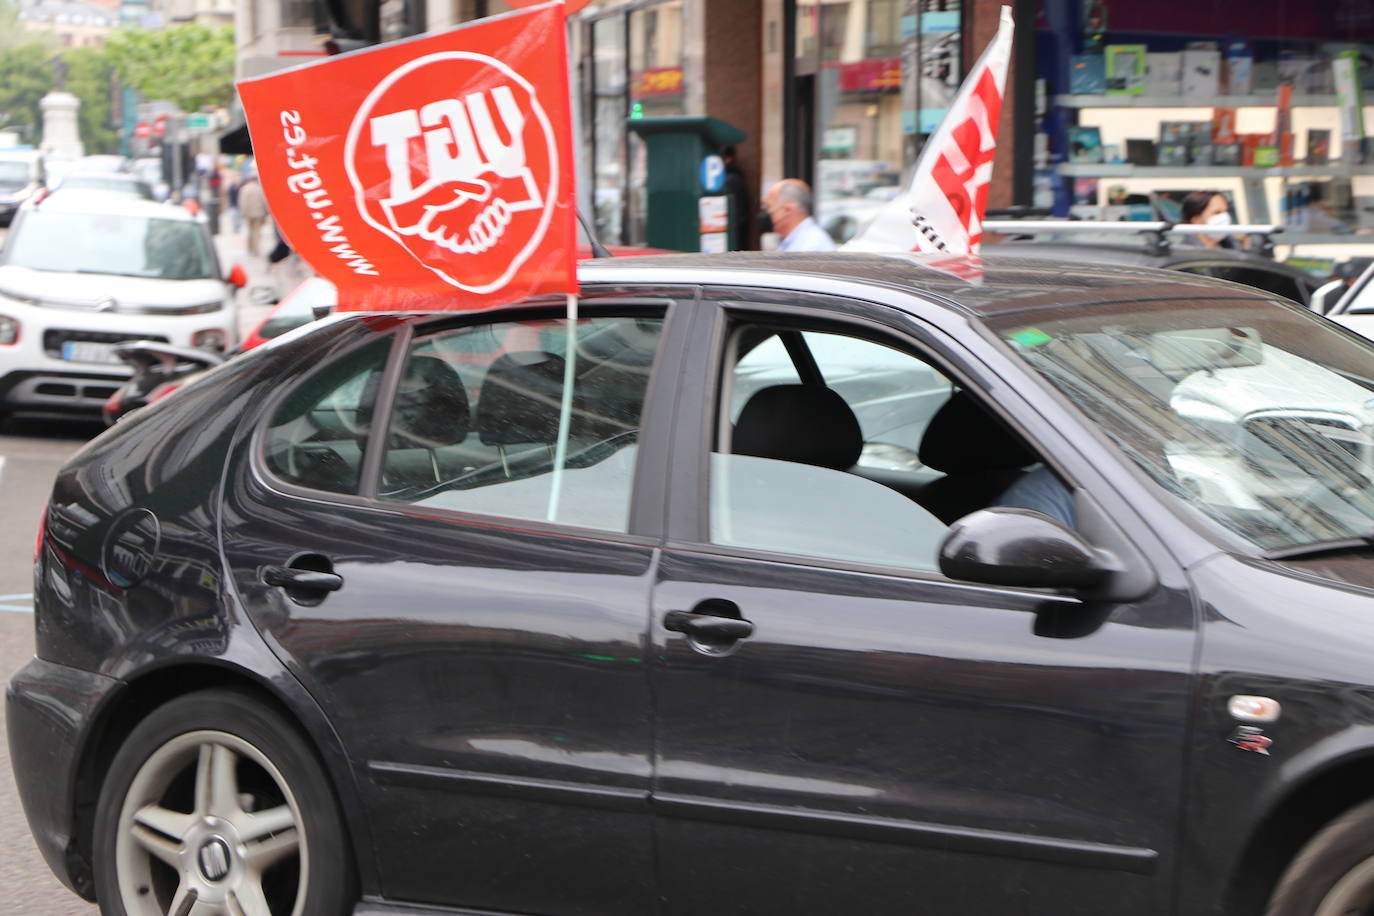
(21, 177)
(1355, 309)
(80, 273)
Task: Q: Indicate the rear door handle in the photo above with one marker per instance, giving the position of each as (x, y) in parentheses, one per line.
(708, 626)
(307, 580)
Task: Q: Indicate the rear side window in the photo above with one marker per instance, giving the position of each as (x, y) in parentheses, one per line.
(317, 436)
(481, 422)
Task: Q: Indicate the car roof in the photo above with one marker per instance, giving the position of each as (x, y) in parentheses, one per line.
(90, 200)
(1005, 285)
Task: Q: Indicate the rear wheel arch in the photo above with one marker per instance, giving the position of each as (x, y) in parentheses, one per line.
(1310, 806)
(148, 691)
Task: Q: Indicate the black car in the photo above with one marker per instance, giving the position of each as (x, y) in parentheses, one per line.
(668, 612)
(1237, 266)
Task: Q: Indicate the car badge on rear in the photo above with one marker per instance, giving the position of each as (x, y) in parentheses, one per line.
(107, 304)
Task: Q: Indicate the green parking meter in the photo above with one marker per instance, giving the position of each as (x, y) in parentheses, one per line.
(688, 209)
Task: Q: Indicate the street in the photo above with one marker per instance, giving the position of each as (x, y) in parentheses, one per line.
(30, 454)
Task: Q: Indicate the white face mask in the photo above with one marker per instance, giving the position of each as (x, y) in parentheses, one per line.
(1219, 219)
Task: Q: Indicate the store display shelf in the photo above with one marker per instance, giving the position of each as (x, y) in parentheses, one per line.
(1324, 238)
(1265, 100)
(1126, 170)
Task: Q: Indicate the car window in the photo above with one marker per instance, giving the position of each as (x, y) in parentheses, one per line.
(831, 466)
(893, 395)
(1363, 301)
(1256, 415)
(317, 437)
(111, 243)
(478, 424)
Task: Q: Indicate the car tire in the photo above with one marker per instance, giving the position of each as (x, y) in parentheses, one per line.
(216, 795)
(1333, 873)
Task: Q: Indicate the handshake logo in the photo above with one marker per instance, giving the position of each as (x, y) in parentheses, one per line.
(465, 182)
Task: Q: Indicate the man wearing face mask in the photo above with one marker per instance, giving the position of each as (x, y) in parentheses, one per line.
(787, 211)
(1207, 208)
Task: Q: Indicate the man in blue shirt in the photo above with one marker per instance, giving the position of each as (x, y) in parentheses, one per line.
(787, 207)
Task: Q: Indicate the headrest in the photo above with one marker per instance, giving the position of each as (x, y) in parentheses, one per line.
(520, 399)
(964, 436)
(807, 424)
(431, 405)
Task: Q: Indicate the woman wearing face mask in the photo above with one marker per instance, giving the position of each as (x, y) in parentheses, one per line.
(1207, 208)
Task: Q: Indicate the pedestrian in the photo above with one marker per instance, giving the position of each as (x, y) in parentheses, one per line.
(1207, 208)
(233, 195)
(787, 211)
(253, 209)
(737, 190)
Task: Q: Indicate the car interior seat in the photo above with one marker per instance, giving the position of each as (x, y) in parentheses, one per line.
(807, 424)
(978, 454)
(430, 412)
(519, 405)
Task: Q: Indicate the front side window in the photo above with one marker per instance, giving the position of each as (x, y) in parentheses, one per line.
(484, 421)
(1257, 415)
(836, 447)
(111, 243)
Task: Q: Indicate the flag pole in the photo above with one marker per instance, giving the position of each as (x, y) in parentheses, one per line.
(565, 409)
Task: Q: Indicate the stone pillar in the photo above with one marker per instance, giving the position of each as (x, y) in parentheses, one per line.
(61, 138)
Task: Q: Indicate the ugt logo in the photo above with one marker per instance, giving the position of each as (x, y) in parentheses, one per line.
(453, 157)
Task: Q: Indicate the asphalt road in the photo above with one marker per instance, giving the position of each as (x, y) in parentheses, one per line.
(30, 454)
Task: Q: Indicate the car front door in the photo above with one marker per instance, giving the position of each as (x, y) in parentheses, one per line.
(840, 728)
(465, 595)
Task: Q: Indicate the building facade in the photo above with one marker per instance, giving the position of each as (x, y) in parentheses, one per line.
(843, 93)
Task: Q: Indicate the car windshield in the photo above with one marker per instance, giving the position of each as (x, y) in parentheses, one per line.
(15, 172)
(110, 243)
(109, 183)
(1255, 414)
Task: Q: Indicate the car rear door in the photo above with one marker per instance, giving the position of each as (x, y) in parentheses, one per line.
(840, 728)
(471, 620)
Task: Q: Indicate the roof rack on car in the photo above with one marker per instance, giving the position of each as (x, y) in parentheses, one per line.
(1155, 231)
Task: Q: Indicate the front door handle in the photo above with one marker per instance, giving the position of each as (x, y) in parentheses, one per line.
(707, 626)
(712, 627)
(305, 579)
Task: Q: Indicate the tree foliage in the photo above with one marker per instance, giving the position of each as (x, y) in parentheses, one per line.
(25, 77)
(190, 65)
(90, 77)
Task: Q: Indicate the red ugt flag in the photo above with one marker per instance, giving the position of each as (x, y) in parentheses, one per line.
(434, 173)
(943, 210)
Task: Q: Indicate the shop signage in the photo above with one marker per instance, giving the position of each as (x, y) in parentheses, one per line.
(433, 173)
(875, 74)
(712, 173)
(658, 81)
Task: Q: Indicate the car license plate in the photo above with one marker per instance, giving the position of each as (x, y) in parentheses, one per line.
(88, 351)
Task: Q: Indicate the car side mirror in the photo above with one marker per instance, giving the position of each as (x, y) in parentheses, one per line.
(1022, 548)
(238, 277)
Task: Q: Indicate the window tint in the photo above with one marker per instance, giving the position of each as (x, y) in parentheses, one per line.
(477, 422)
(317, 437)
